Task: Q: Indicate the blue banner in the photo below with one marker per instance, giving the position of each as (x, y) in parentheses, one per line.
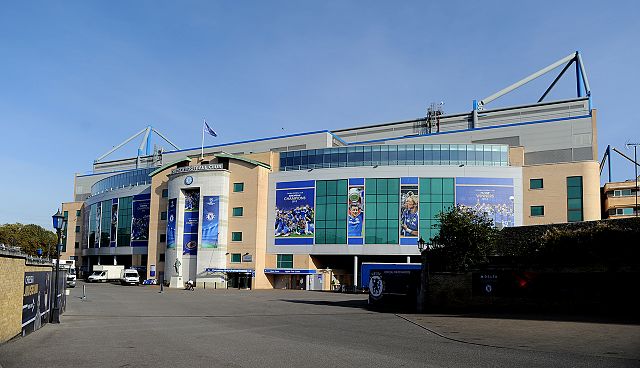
(295, 213)
(140, 223)
(171, 224)
(210, 213)
(191, 222)
(489, 196)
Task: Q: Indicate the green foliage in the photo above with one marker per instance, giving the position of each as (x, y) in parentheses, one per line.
(590, 242)
(29, 237)
(465, 240)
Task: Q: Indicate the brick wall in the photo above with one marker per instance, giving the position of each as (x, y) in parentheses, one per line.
(11, 287)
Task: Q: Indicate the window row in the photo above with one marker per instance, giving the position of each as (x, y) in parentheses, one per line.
(410, 154)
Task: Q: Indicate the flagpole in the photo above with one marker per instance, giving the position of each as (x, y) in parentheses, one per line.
(202, 149)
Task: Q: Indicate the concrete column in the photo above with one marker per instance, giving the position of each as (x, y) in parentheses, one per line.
(408, 259)
(355, 270)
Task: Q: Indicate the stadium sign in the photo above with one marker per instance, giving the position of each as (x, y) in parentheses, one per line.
(208, 167)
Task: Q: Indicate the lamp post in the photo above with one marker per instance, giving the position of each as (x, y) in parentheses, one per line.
(424, 276)
(635, 165)
(58, 224)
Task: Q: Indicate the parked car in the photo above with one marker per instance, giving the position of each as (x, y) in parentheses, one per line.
(98, 276)
(71, 278)
(130, 277)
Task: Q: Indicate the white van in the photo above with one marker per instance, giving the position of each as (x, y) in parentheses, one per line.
(130, 277)
(98, 276)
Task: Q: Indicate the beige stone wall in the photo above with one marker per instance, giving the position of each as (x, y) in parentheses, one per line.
(72, 236)
(252, 223)
(554, 194)
(157, 226)
(11, 289)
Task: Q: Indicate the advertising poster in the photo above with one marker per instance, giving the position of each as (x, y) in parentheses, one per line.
(409, 214)
(171, 224)
(97, 224)
(35, 300)
(191, 221)
(114, 221)
(355, 216)
(491, 196)
(295, 213)
(210, 213)
(140, 222)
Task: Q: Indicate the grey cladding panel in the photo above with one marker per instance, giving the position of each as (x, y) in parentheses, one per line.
(582, 154)
(511, 141)
(547, 157)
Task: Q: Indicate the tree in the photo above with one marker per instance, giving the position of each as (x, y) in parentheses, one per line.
(29, 237)
(465, 240)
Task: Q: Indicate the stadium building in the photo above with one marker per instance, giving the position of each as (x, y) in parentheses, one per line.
(306, 210)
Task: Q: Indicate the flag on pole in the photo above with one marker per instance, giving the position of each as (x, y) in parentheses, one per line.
(208, 129)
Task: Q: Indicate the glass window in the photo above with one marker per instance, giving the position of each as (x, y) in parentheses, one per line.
(574, 199)
(535, 184)
(331, 212)
(237, 211)
(284, 261)
(382, 211)
(435, 195)
(163, 238)
(78, 213)
(163, 215)
(161, 257)
(238, 187)
(537, 210)
(165, 193)
(77, 245)
(236, 257)
(77, 229)
(236, 236)
(125, 212)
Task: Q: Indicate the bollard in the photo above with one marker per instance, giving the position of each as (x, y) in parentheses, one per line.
(84, 292)
(215, 285)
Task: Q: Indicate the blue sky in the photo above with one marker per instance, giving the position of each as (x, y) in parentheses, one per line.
(77, 77)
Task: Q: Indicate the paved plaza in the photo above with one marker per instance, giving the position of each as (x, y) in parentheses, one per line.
(120, 326)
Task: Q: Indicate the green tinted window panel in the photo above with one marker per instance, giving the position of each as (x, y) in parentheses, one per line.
(393, 186)
(342, 186)
(574, 204)
(332, 187)
(574, 181)
(321, 188)
(370, 209)
(382, 186)
(370, 187)
(320, 199)
(237, 211)
(320, 212)
(537, 210)
(573, 216)
(236, 257)
(238, 187)
(436, 186)
(236, 236)
(536, 184)
(448, 186)
(574, 192)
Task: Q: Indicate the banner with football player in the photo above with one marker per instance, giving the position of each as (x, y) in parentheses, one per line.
(409, 214)
(355, 214)
(191, 221)
(210, 213)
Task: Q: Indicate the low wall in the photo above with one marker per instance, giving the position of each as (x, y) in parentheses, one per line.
(11, 288)
(566, 291)
(26, 287)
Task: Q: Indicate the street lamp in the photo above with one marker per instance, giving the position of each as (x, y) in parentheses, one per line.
(421, 244)
(635, 165)
(58, 224)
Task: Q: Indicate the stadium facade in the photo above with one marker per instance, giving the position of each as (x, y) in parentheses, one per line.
(306, 210)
